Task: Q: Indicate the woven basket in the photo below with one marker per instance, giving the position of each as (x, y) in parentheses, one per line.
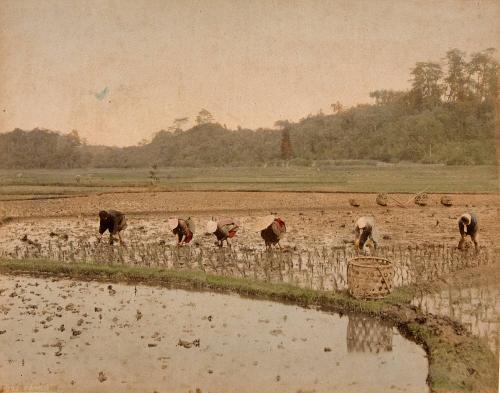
(381, 199)
(370, 277)
(353, 202)
(446, 200)
(421, 199)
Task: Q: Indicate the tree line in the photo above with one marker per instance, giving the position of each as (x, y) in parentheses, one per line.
(446, 116)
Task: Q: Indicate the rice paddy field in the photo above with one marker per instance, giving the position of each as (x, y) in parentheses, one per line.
(374, 177)
(49, 215)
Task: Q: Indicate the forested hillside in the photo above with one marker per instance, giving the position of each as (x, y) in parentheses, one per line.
(447, 116)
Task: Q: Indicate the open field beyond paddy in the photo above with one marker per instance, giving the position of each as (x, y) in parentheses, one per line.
(342, 178)
(49, 220)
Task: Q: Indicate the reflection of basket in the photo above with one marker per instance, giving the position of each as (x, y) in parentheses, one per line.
(368, 335)
(370, 277)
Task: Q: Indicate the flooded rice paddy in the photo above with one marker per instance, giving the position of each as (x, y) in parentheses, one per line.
(301, 262)
(70, 336)
(476, 307)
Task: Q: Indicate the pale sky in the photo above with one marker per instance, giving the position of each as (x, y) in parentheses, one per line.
(118, 71)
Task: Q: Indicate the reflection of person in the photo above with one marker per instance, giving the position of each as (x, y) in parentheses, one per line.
(468, 226)
(184, 229)
(273, 233)
(224, 229)
(364, 231)
(112, 221)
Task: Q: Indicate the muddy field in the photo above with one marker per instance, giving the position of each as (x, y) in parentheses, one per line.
(318, 243)
(420, 240)
(312, 218)
(60, 335)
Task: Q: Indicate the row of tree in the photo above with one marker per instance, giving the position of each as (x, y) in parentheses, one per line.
(41, 148)
(447, 116)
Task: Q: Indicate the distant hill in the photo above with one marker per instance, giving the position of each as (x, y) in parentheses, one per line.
(448, 116)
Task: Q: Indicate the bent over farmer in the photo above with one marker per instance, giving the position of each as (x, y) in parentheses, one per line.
(112, 221)
(363, 231)
(468, 226)
(273, 230)
(224, 229)
(182, 228)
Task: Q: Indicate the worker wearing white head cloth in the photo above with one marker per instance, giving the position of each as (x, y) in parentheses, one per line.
(363, 231)
(468, 226)
(223, 229)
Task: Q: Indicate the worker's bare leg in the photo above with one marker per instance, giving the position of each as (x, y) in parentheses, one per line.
(474, 238)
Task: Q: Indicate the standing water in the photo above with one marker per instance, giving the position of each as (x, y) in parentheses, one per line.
(61, 335)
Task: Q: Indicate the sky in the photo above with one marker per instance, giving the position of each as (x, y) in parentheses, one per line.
(120, 70)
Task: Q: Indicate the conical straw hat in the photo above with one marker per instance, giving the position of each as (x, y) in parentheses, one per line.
(211, 226)
(263, 222)
(172, 223)
(191, 225)
(364, 221)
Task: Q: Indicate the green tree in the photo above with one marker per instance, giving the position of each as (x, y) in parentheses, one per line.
(426, 85)
(204, 117)
(483, 70)
(457, 79)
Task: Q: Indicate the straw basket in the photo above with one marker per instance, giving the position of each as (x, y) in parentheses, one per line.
(370, 277)
(381, 199)
(446, 200)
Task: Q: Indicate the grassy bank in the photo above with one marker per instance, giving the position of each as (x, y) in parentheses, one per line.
(457, 361)
(342, 178)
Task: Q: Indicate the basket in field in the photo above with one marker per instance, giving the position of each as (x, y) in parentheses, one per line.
(381, 199)
(421, 199)
(446, 200)
(370, 277)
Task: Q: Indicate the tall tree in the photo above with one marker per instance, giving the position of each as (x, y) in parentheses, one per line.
(426, 87)
(204, 117)
(286, 144)
(483, 70)
(337, 107)
(457, 79)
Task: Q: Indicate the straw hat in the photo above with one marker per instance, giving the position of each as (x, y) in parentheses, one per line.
(172, 223)
(364, 221)
(211, 226)
(263, 222)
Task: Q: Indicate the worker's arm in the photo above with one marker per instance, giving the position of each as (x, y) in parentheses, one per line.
(462, 229)
(102, 228)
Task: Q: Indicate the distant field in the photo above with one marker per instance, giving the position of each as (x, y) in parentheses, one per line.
(360, 178)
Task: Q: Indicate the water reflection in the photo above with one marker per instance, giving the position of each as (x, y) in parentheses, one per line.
(476, 307)
(142, 339)
(368, 335)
